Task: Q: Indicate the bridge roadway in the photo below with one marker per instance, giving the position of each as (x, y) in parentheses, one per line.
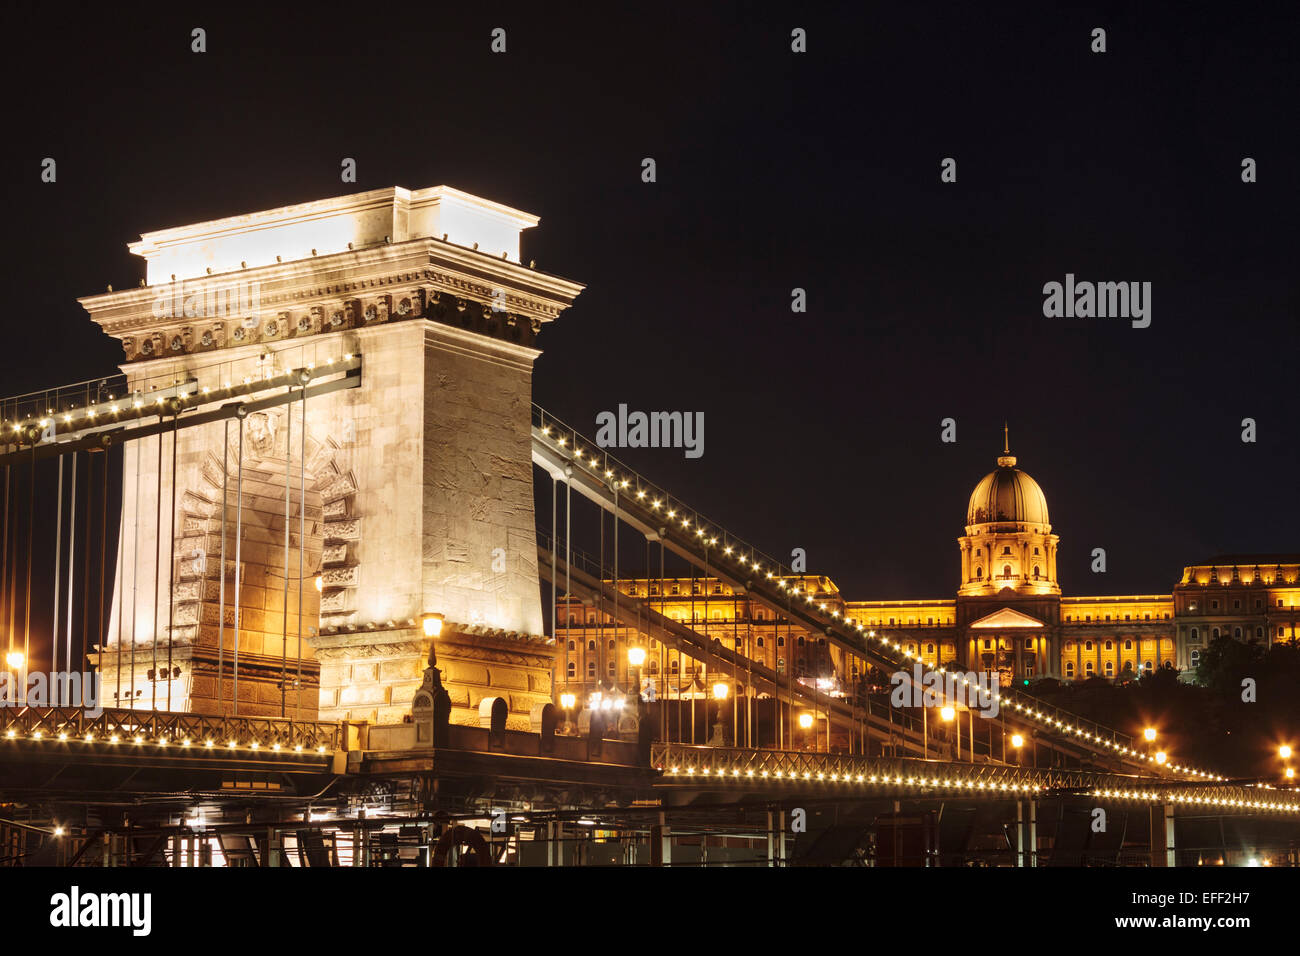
(63, 753)
(571, 458)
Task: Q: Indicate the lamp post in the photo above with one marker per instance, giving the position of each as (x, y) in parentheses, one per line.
(567, 702)
(635, 658)
(806, 722)
(17, 663)
(720, 691)
(1284, 752)
(1017, 742)
(949, 715)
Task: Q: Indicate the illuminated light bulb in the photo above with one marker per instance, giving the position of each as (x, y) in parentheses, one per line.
(139, 739)
(90, 738)
(36, 735)
(231, 745)
(320, 749)
(113, 739)
(253, 745)
(561, 442)
(185, 742)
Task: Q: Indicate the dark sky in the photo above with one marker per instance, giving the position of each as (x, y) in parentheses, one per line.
(775, 171)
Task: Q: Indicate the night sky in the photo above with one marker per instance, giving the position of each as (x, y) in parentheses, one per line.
(775, 170)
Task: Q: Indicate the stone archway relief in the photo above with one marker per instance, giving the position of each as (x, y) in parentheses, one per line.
(198, 544)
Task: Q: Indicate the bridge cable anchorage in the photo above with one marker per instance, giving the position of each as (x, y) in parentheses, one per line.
(557, 446)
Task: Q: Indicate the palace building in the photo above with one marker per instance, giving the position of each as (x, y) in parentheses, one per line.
(1008, 614)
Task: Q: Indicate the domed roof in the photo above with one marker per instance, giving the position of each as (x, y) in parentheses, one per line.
(1007, 494)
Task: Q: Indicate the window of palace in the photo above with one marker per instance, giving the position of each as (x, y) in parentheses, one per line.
(979, 573)
(1108, 617)
(1110, 668)
(717, 589)
(1036, 571)
(573, 669)
(911, 620)
(1196, 658)
(1236, 605)
(591, 669)
(737, 643)
(1087, 645)
(674, 666)
(1069, 668)
(1166, 615)
(929, 620)
(591, 619)
(1258, 603)
(759, 615)
(654, 667)
(1087, 667)
(1069, 645)
(573, 645)
(677, 589)
(801, 640)
(613, 668)
(1006, 550)
(1236, 632)
(1126, 617)
(1147, 665)
(1196, 634)
(572, 620)
(1128, 645)
(1110, 646)
(1259, 632)
(929, 648)
(891, 622)
(1215, 633)
(760, 642)
(1279, 602)
(611, 644)
(654, 589)
(695, 587)
(1281, 631)
(979, 551)
(1214, 605)
(780, 642)
(1035, 550)
(1029, 643)
(1006, 570)
(632, 590)
(1148, 617)
(591, 646)
(988, 645)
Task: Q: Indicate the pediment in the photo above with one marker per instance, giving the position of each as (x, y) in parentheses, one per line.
(1006, 617)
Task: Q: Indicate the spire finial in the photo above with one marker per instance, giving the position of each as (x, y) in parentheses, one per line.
(1006, 459)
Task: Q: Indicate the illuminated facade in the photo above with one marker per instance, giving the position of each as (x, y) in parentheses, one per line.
(1008, 614)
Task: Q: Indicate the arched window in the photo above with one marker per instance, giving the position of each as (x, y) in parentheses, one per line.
(1037, 573)
(1147, 665)
(572, 620)
(1006, 570)
(1236, 632)
(801, 640)
(573, 668)
(929, 648)
(760, 642)
(675, 667)
(573, 645)
(1214, 633)
(1259, 632)
(611, 644)
(1110, 668)
(1110, 646)
(1069, 668)
(1196, 658)
(1087, 645)
(979, 573)
(1196, 634)
(1128, 645)
(613, 668)
(1087, 667)
(591, 646)
(591, 670)
(780, 642)
(654, 667)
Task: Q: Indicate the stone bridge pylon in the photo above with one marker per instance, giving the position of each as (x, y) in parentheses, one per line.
(408, 495)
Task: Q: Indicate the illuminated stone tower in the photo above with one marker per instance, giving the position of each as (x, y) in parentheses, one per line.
(412, 494)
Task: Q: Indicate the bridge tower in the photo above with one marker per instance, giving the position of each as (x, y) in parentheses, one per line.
(408, 495)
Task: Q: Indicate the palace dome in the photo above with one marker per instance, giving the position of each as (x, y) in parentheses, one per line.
(1007, 494)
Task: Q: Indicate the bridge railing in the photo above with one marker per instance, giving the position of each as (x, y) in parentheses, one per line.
(657, 507)
(167, 728)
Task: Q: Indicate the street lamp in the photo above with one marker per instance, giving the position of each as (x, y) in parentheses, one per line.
(432, 625)
(1161, 757)
(15, 660)
(1149, 734)
(1017, 741)
(320, 583)
(1284, 752)
(949, 715)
